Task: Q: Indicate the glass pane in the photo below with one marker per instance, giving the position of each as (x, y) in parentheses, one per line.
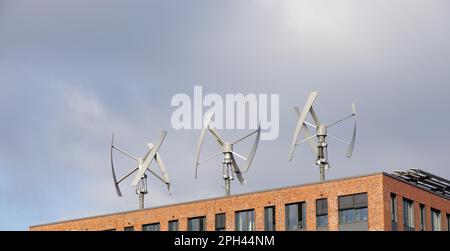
(269, 219)
(360, 200)
(292, 217)
(346, 202)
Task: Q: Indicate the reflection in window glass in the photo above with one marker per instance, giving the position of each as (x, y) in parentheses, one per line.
(245, 220)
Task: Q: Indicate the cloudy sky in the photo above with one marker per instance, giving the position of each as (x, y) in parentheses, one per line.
(72, 72)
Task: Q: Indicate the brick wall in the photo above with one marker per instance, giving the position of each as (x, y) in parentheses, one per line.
(418, 196)
(377, 186)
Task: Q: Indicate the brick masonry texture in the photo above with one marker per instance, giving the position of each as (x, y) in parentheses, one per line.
(378, 187)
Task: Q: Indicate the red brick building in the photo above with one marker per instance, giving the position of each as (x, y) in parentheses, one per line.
(377, 201)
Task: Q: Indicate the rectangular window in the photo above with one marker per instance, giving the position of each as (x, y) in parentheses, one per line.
(173, 225)
(269, 218)
(197, 224)
(221, 222)
(435, 220)
(295, 216)
(422, 217)
(408, 214)
(448, 222)
(353, 213)
(150, 227)
(128, 229)
(394, 213)
(245, 220)
(322, 214)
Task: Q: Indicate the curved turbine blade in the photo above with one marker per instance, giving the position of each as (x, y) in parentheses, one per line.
(352, 143)
(237, 171)
(201, 139)
(149, 159)
(306, 132)
(116, 184)
(308, 135)
(315, 118)
(163, 169)
(253, 151)
(301, 120)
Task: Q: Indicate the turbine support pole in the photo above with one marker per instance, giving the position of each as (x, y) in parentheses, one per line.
(322, 153)
(227, 169)
(141, 190)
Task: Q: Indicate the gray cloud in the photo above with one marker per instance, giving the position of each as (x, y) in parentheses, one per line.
(72, 73)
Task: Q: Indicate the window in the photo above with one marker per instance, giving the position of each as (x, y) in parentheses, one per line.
(353, 212)
(435, 220)
(173, 225)
(321, 213)
(422, 217)
(129, 229)
(408, 214)
(295, 216)
(221, 222)
(245, 220)
(394, 213)
(197, 224)
(269, 218)
(151, 227)
(448, 222)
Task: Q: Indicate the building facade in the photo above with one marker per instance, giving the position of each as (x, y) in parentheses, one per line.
(377, 201)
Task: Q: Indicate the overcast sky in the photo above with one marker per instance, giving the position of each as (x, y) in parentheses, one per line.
(72, 72)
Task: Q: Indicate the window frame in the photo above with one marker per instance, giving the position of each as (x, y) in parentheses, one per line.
(274, 222)
(249, 218)
(220, 228)
(170, 223)
(301, 211)
(202, 227)
(353, 211)
(151, 224)
(433, 223)
(319, 215)
(408, 214)
(422, 217)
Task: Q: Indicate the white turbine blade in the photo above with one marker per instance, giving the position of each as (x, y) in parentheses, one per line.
(237, 171)
(116, 184)
(315, 118)
(352, 143)
(253, 150)
(149, 159)
(309, 136)
(150, 147)
(301, 119)
(163, 169)
(216, 135)
(201, 139)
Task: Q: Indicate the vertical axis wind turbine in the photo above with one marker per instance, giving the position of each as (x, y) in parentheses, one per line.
(143, 166)
(320, 146)
(230, 167)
